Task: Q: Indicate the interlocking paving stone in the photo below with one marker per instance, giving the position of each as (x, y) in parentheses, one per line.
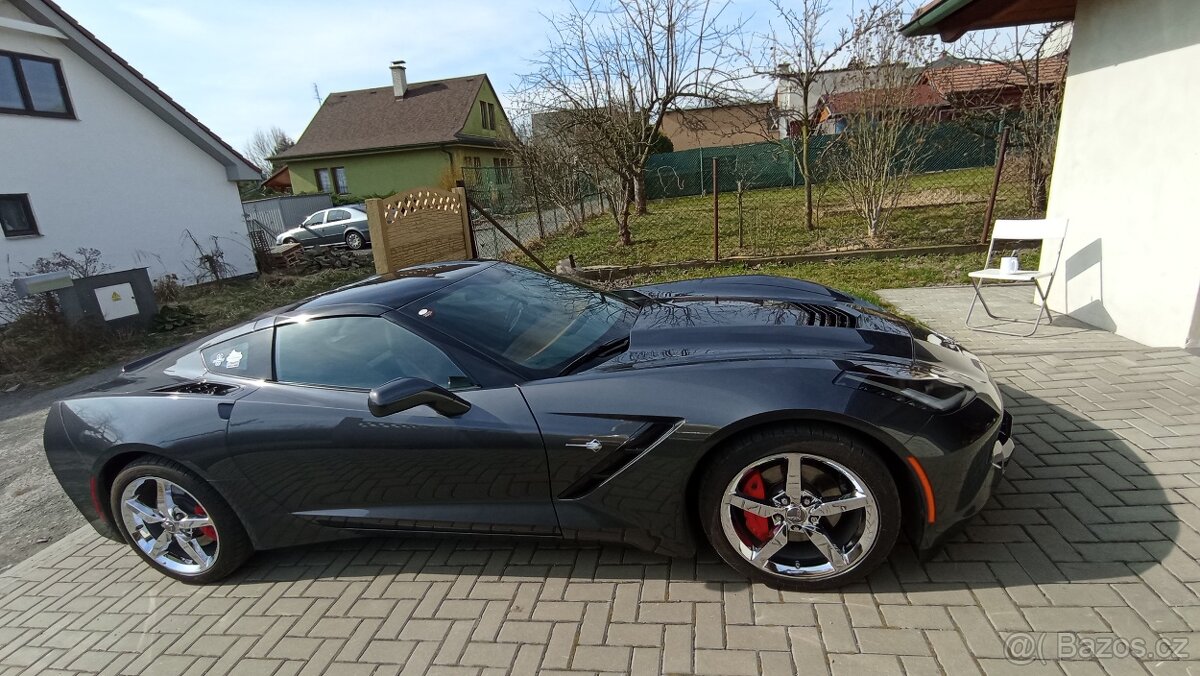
(1096, 529)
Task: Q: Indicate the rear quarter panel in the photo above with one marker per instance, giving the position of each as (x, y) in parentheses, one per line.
(82, 436)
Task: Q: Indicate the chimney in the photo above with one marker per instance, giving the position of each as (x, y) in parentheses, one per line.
(399, 79)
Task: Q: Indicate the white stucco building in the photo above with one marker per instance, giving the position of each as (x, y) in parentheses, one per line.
(94, 155)
(1127, 164)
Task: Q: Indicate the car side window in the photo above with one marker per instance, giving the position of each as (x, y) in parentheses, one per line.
(247, 356)
(359, 353)
(315, 219)
(338, 215)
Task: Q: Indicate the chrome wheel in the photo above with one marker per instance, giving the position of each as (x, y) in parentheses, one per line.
(354, 240)
(800, 516)
(169, 525)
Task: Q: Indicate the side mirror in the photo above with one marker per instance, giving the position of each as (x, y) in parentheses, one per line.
(405, 393)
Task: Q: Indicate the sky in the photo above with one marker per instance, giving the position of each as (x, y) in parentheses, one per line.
(239, 66)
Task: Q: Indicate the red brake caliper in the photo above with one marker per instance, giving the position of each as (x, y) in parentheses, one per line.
(759, 526)
(206, 530)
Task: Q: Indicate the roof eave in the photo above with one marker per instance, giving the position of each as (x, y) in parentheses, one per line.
(951, 19)
(104, 60)
(925, 22)
(365, 151)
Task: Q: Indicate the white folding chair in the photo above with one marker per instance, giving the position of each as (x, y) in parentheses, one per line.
(1011, 231)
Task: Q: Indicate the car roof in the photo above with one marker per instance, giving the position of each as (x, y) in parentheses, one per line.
(394, 289)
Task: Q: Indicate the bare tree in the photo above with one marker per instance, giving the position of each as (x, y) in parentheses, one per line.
(265, 144)
(802, 56)
(873, 158)
(551, 168)
(613, 71)
(1017, 80)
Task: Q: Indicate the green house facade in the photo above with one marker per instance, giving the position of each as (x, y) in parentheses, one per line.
(388, 139)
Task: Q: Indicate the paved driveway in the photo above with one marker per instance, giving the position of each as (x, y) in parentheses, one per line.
(1090, 545)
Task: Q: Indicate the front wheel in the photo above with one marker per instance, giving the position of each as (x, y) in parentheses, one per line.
(177, 523)
(800, 507)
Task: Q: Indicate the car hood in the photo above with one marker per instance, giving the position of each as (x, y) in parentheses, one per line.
(758, 317)
(754, 287)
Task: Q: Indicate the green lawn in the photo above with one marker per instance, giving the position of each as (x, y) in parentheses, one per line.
(947, 208)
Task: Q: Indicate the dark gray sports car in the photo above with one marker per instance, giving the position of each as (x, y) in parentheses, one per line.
(795, 428)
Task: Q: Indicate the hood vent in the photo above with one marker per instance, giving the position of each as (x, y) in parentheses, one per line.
(206, 388)
(823, 315)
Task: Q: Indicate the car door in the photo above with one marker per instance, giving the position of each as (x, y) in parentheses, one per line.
(310, 229)
(308, 440)
(334, 230)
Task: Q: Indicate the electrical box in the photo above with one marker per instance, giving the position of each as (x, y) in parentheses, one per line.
(116, 301)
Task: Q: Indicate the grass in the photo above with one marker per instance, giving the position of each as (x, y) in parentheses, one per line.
(772, 223)
(39, 352)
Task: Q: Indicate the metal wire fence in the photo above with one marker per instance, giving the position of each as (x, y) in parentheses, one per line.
(760, 204)
(511, 196)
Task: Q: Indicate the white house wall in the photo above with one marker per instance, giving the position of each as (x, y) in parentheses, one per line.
(1127, 171)
(117, 179)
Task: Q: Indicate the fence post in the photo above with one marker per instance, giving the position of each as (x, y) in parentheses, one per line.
(741, 231)
(379, 235)
(716, 214)
(537, 205)
(702, 188)
(991, 205)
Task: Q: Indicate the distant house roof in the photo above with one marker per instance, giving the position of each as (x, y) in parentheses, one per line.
(106, 61)
(430, 113)
(977, 77)
(844, 103)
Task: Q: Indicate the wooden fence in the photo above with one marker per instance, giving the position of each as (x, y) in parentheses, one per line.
(419, 226)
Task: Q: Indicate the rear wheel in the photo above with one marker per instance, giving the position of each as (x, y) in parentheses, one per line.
(177, 523)
(355, 240)
(800, 507)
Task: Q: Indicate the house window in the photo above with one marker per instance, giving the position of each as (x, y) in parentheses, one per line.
(503, 168)
(16, 216)
(33, 85)
(339, 180)
(487, 115)
(470, 168)
(324, 184)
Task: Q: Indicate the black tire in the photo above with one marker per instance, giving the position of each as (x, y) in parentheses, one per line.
(291, 240)
(815, 440)
(355, 240)
(234, 544)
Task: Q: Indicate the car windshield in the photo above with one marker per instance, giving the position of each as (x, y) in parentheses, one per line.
(535, 321)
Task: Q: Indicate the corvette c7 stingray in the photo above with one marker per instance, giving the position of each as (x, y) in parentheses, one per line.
(795, 428)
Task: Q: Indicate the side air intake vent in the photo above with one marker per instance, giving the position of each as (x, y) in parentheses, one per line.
(211, 389)
(823, 315)
(619, 459)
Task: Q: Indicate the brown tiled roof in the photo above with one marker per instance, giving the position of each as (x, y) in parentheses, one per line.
(918, 96)
(976, 77)
(374, 119)
(136, 73)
